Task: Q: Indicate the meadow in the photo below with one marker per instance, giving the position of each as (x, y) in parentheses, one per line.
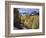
(30, 22)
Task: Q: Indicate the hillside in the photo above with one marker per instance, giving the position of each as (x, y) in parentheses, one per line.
(31, 22)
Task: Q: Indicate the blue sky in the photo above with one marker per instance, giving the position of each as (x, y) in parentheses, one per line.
(27, 10)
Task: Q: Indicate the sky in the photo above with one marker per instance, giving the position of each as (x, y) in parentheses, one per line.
(27, 10)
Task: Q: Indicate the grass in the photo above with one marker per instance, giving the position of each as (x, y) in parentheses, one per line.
(31, 22)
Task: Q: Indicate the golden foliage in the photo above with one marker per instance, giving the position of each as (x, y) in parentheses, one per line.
(30, 21)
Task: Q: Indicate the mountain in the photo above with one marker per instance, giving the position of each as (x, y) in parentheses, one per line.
(34, 13)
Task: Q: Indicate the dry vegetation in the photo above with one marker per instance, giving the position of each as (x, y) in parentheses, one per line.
(30, 21)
